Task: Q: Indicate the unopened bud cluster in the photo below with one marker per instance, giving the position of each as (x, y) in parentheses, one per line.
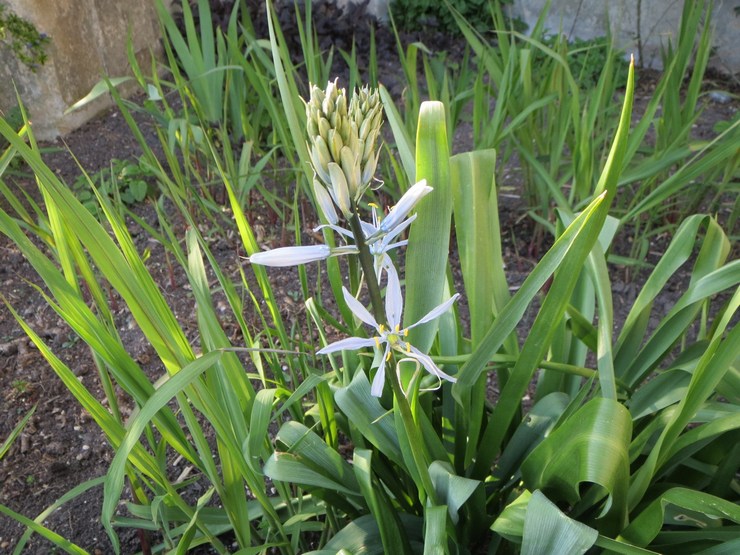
(342, 140)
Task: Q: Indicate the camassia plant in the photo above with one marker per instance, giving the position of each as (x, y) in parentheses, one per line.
(602, 458)
(371, 427)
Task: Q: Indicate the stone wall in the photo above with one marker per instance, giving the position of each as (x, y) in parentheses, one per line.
(88, 41)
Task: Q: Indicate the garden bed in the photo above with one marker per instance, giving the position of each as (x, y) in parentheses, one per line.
(61, 446)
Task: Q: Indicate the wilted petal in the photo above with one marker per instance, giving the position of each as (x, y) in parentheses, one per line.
(360, 311)
(405, 205)
(291, 256)
(349, 344)
(436, 312)
(427, 362)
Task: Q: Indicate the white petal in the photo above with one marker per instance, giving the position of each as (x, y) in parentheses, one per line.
(393, 297)
(427, 362)
(396, 245)
(349, 344)
(291, 256)
(437, 311)
(367, 228)
(396, 231)
(323, 199)
(360, 311)
(379, 380)
(405, 205)
(340, 230)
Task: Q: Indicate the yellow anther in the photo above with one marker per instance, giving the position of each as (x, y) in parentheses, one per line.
(406, 332)
(381, 328)
(398, 328)
(373, 205)
(377, 342)
(388, 356)
(408, 347)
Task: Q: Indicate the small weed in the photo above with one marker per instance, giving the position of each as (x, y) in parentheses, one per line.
(20, 386)
(126, 182)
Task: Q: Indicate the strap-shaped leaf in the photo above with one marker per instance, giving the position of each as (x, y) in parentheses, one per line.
(592, 446)
(478, 237)
(548, 530)
(451, 489)
(362, 536)
(310, 461)
(386, 516)
(369, 417)
(435, 531)
(649, 522)
(429, 239)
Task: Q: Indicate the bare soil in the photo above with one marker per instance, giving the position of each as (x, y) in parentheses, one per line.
(62, 447)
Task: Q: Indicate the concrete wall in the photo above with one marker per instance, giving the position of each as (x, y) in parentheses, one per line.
(657, 22)
(88, 41)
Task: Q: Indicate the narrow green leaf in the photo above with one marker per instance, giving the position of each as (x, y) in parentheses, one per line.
(169, 389)
(548, 530)
(451, 489)
(429, 238)
(362, 536)
(386, 515)
(435, 531)
(314, 459)
(99, 89)
(650, 521)
(16, 432)
(478, 237)
(404, 145)
(369, 417)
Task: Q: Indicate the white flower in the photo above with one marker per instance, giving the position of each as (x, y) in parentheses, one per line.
(292, 256)
(391, 337)
(380, 234)
(407, 203)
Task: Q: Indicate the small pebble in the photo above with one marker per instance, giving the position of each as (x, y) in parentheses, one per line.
(720, 96)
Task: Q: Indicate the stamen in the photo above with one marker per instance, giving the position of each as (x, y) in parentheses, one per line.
(398, 328)
(377, 341)
(388, 356)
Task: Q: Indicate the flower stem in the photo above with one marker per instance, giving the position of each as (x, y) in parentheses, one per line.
(414, 437)
(368, 268)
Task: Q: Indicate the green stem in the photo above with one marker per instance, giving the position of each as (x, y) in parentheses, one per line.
(413, 434)
(368, 268)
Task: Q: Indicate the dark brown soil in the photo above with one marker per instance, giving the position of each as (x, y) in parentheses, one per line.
(62, 447)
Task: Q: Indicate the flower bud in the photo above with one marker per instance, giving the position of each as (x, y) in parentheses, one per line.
(339, 190)
(344, 134)
(291, 256)
(351, 168)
